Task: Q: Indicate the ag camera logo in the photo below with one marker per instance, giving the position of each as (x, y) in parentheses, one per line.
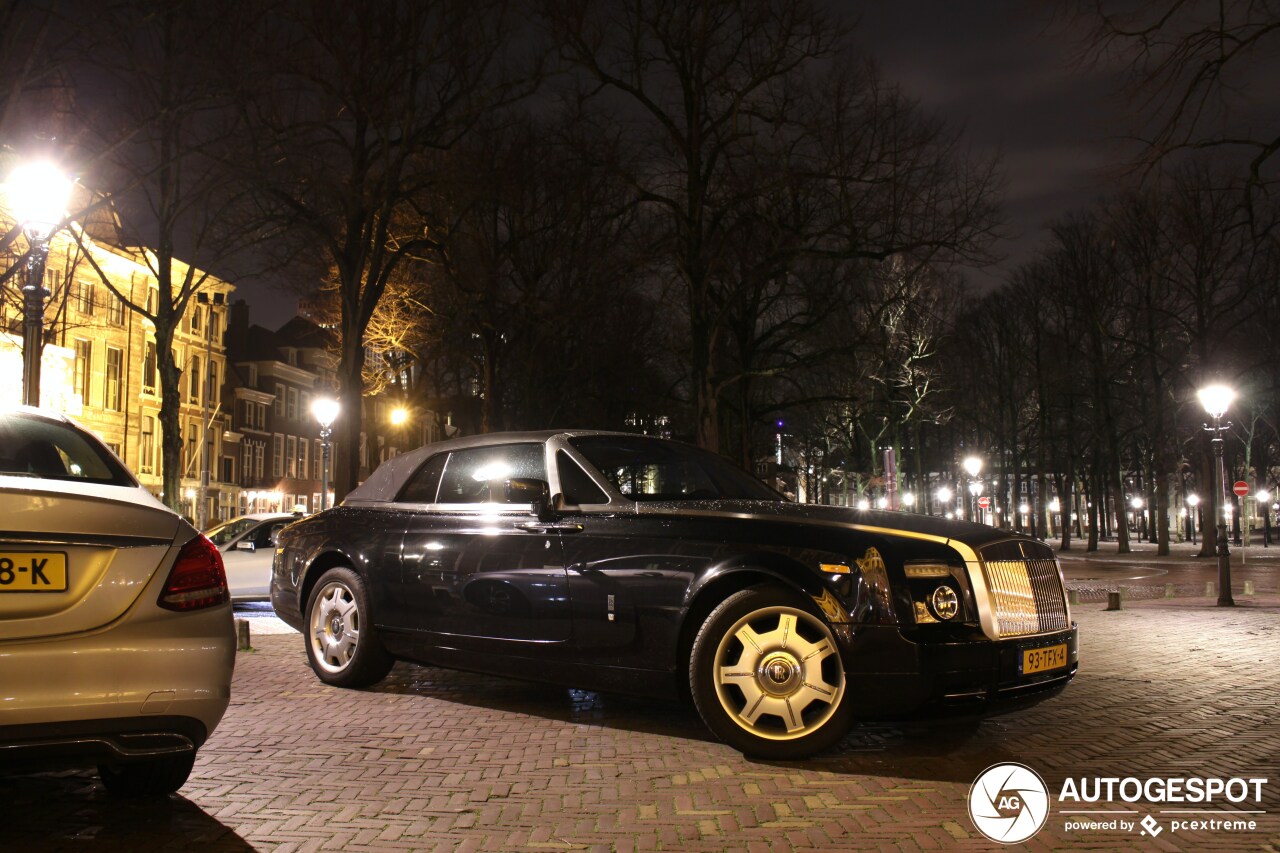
(1009, 803)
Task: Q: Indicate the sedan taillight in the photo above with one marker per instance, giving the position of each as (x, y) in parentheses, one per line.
(197, 579)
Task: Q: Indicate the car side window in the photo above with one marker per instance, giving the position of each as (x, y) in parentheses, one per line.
(576, 486)
(478, 475)
(261, 538)
(422, 486)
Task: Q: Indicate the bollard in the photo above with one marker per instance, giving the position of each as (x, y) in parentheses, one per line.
(1113, 600)
(242, 635)
(1248, 587)
(1168, 590)
(1210, 589)
(1073, 596)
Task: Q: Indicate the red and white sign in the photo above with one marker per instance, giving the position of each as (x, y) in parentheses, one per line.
(984, 502)
(1241, 488)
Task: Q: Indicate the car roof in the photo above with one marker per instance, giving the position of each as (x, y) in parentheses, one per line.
(385, 482)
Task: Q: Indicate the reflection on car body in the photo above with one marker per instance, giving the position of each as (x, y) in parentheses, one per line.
(622, 562)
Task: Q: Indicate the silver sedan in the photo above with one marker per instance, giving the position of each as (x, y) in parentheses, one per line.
(116, 637)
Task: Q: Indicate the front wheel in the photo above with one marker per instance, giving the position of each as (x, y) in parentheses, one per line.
(342, 644)
(767, 676)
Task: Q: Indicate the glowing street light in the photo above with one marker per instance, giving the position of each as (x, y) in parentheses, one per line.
(1264, 501)
(399, 415)
(39, 193)
(1216, 399)
(325, 410)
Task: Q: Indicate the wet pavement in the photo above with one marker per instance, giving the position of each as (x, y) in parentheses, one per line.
(437, 760)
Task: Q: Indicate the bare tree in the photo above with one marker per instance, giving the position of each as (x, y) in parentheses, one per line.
(349, 122)
(1202, 74)
(157, 129)
(720, 92)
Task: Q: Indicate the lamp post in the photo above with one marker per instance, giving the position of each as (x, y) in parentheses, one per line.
(39, 193)
(1216, 399)
(325, 410)
(944, 499)
(973, 467)
(1193, 501)
(1264, 501)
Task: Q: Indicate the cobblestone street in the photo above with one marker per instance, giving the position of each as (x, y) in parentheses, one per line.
(438, 760)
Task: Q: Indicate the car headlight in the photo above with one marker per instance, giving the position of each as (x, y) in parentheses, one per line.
(944, 603)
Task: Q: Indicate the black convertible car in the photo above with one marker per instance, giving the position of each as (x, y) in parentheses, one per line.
(620, 562)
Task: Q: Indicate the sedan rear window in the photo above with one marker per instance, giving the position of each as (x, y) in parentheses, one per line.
(32, 446)
(646, 469)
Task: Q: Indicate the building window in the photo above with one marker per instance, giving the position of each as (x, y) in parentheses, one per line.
(259, 453)
(277, 456)
(303, 467)
(113, 391)
(293, 404)
(279, 404)
(147, 446)
(83, 369)
(193, 380)
(262, 415)
(153, 300)
(196, 311)
(251, 376)
(318, 456)
(291, 469)
(150, 365)
(115, 311)
(246, 464)
(215, 325)
(213, 396)
(85, 298)
(193, 443)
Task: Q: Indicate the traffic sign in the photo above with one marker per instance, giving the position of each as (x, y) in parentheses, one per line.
(1241, 488)
(984, 502)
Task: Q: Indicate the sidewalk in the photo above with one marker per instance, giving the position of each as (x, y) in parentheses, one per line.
(1142, 574)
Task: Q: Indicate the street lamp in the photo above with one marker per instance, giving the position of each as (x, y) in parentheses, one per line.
(39, 193)
(973, 467)
(1264, 501)
(325, 410)
(1216, 399)
(1193, 501)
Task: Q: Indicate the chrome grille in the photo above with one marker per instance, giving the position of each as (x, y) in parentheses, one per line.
(1026, 592)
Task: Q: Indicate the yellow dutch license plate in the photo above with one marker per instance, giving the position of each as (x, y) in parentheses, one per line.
(33, 571)
(1044, 659)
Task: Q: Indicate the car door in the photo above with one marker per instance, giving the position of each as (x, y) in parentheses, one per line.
(248, 560)
(627, 576)
(478, 572)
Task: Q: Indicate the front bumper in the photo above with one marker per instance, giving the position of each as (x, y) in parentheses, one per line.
(896, 674)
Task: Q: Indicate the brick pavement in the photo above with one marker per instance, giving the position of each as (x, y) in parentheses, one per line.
(438, 760)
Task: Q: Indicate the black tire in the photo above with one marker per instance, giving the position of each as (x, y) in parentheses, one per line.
(342, 643)
(781, 696)
(154, 777)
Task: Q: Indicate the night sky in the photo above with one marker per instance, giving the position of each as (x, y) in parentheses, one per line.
(1005, 71)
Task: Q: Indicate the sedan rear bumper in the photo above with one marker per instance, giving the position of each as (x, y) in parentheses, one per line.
(150, 684)
(82, 742)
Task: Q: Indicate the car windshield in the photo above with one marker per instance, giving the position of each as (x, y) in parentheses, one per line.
(228, 530)
(43, 448)
(647, 469)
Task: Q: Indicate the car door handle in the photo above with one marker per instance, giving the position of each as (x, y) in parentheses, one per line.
(549, 527)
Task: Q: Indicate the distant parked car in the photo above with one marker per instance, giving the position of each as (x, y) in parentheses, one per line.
(116, 637)
(248, 544)
(621, 562)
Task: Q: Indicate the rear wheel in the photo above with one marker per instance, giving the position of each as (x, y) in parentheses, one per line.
(767, 676)
(150, 778)
(342, 643)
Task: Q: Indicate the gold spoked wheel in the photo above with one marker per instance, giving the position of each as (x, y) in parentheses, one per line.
(768, 675)
(777, 673)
